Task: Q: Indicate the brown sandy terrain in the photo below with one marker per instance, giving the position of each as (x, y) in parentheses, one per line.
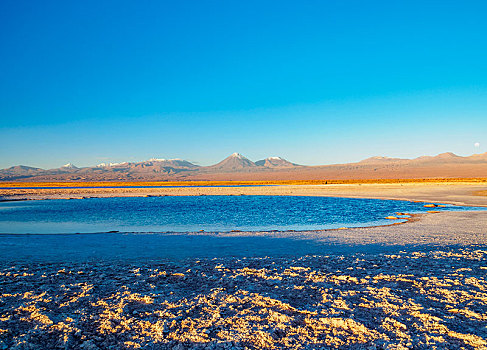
(352, 171)
(453, 192)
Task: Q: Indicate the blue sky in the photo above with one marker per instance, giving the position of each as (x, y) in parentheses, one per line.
(316, 82)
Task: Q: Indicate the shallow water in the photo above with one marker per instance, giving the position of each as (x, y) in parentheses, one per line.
(195, 213)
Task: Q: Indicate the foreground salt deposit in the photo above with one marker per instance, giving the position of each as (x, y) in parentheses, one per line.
(418, 298)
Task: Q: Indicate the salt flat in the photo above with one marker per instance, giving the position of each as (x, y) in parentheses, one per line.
(420, 284)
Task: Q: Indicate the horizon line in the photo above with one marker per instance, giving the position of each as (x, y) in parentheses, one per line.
(195, 163)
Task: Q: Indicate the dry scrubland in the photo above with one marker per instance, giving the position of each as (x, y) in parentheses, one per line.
(435, 299)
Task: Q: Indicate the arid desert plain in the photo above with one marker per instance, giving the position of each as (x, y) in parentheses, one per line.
(420, 284)
(243, 175)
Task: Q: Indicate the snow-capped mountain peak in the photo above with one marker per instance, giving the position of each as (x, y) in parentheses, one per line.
(69, 166)
(235, 161)
(237, 155)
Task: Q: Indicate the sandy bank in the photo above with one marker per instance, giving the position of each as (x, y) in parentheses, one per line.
(460, 193)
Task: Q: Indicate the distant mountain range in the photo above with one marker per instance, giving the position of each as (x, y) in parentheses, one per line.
(447, 157)
(150, 169)
(238, 167)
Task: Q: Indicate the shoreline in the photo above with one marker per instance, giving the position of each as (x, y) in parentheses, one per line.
(422, 231)
(455, 193)
(441, 194)
(399, 221)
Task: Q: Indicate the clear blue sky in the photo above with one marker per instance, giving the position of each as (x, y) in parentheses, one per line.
(316, 82)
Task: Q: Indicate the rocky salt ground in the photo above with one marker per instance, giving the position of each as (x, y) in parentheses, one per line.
(411, 299)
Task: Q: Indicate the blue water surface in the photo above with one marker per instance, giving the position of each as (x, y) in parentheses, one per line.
(195, 213)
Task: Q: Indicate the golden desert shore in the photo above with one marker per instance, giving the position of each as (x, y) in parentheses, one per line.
(452, 191)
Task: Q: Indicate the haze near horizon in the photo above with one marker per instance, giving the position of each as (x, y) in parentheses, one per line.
(315, 83)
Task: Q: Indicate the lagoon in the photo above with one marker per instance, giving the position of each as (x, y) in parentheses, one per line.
(196, 213)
